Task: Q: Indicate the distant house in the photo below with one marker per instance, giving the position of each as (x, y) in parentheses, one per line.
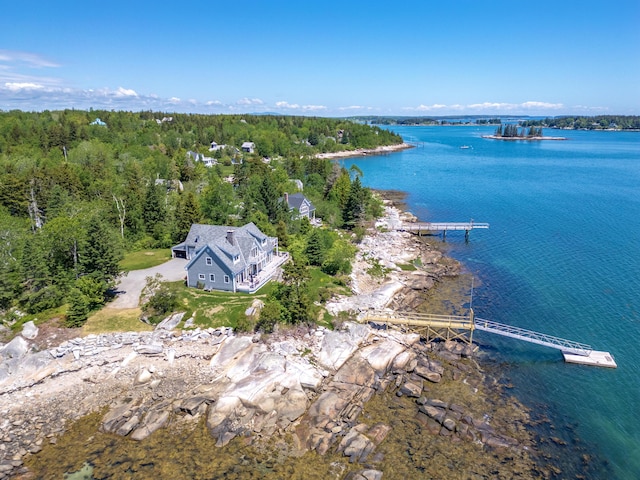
(300, 205)
(248, 147)
(199, 157)
(229, 258)
(97, 121)
(215, 147)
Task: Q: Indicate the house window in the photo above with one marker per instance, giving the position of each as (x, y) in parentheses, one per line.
(212, 277)
(236, 258)
(209, 261)
(226, 279)
(201, 276)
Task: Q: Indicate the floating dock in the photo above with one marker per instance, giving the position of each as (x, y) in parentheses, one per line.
(595, 358)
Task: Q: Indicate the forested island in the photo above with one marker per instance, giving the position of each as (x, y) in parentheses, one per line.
(513, 132)
(80, 189)
(599, 122)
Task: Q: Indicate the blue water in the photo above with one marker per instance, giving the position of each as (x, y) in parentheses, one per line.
(562, 257)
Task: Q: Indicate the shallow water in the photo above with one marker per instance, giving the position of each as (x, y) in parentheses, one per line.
(562, 257)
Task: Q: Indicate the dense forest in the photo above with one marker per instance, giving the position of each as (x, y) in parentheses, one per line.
(600, 122)
(80, 188)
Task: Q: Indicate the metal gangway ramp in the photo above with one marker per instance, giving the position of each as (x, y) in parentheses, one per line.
(573, 352)
(533, 337)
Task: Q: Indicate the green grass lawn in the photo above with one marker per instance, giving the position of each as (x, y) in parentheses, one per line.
(144, 259)
(215, 309)
(115, 320)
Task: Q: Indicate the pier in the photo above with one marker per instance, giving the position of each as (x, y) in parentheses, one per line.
(453, 327)
(427, 228)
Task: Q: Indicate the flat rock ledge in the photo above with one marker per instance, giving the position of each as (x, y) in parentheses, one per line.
(310, 383)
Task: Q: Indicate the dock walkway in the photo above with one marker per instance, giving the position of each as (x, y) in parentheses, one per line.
(427, 228)
(453, 327)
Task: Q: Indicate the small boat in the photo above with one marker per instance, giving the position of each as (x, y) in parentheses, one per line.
(464, 147)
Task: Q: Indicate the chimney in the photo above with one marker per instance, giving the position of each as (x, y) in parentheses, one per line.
(230, 237)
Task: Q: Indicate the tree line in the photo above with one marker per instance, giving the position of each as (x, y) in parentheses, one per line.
(599, 122)
(75, 195)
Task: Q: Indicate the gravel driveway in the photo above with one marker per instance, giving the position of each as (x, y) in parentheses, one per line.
(130, 285)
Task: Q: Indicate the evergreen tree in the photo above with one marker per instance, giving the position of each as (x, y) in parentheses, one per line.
(354, 208)
(154, 208)
(78, 310)
(101, 254)
(315, 250)
(187, 213)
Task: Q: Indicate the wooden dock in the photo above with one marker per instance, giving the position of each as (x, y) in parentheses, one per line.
(428, 228)
(453, 327)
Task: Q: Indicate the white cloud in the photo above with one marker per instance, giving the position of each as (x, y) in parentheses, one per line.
(213, 102)
(511, 107)
(17, 86)
(249, 101)
(292, 106)
(125, 92)
(304, 108)
(32, 60)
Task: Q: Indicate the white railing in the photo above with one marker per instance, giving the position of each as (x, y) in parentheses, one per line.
(264, 275)
(568, 346)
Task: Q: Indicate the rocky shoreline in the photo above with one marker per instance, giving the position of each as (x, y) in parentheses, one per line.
(362, 152)
(310, 386)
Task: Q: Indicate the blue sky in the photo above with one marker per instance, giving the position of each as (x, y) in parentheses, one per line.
(325, 58)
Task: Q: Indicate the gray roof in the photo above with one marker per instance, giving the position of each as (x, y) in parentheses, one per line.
(297, 199)
(215, 237)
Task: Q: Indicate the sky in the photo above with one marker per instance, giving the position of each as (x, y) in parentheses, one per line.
(328, 58)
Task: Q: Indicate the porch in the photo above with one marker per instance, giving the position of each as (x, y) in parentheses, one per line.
(255, 282)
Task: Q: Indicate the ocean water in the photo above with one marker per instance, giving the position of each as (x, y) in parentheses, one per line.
(562, 257)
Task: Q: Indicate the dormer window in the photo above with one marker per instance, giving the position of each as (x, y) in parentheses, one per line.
(236, 258)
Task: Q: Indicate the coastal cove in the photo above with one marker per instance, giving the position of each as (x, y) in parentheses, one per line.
(561, 257)
(357, 402)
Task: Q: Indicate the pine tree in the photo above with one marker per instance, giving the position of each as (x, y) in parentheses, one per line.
(101, 254)
(354, 208)
(315, 250)
(187, 213)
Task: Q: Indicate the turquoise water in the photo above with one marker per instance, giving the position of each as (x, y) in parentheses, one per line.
(562, 257)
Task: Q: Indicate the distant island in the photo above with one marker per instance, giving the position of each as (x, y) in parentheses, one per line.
(512, 132)
(599, 122)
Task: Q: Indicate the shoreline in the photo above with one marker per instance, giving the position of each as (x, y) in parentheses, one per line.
(89, 377)
(362, 152)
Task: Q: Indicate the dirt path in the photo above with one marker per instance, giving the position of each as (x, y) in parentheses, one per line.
(131, 284)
